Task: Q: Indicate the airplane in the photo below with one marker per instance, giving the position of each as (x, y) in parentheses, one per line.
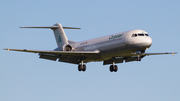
(111, 49)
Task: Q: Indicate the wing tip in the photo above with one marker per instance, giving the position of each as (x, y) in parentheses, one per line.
(174, 53)
(6, 49)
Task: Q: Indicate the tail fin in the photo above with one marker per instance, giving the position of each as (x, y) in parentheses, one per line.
(59, 33)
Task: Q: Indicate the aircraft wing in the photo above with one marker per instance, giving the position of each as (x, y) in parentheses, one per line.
(132, 57)
(64, 56)
(54, 52)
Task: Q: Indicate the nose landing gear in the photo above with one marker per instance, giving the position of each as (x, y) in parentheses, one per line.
(139, 52)
(138, 58)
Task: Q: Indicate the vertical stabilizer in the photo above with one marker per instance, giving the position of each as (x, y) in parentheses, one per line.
(60, 35)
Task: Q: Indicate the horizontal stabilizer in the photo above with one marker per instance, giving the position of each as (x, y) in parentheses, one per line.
(53, 27)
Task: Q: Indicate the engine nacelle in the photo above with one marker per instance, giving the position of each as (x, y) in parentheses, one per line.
(68, 47)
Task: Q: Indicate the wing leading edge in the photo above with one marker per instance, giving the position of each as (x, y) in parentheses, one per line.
(55, 52)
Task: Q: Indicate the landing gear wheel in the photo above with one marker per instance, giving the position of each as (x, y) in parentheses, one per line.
(115, 68)
(111, 68)
(80, 67)
(84, 68)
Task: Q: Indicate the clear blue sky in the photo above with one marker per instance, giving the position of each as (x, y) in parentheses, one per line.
(25, 77)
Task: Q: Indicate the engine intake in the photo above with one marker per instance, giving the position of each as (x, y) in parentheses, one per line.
(67, 48)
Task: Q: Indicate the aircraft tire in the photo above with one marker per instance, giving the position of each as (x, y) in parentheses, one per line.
(80, 67)
(111, 68)
(115, 68)
(84, 68)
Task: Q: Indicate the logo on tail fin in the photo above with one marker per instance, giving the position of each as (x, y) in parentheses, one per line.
(59, 39)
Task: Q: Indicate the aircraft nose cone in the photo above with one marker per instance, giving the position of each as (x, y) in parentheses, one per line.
(148, 42)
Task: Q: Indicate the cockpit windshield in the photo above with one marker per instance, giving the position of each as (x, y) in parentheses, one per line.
(139, 34)
(134, 35)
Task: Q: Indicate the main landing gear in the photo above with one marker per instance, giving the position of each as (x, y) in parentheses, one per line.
(113, 68)
(82, 67)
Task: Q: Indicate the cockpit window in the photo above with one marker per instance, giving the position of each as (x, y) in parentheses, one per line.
(134, 35)
(140, 34)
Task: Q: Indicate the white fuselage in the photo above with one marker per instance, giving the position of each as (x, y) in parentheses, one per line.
(116, 45)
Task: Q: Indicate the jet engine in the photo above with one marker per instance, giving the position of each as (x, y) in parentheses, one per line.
(67, 47)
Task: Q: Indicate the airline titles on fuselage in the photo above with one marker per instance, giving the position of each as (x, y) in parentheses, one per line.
(112, 37)
(83, 43)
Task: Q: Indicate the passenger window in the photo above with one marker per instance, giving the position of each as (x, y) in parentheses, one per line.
(146, 35)
(134, 35)
(140, 34)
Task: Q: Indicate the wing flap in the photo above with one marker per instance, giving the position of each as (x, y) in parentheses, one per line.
(110, 61)
(49, 57)
(73, 60)
(130, 59)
